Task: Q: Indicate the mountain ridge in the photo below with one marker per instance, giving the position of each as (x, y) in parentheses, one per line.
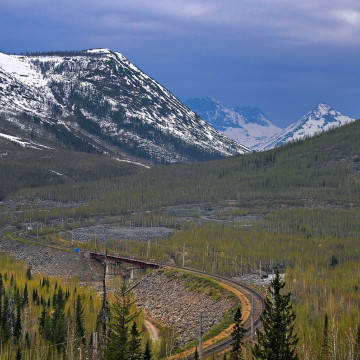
(249, 125)
(320, 118)
(246, 125)
(96, 100)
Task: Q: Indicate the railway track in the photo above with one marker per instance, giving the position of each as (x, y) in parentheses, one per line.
(249, 292)
(254, 296)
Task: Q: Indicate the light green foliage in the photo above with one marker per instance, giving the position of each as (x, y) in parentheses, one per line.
(40, 325)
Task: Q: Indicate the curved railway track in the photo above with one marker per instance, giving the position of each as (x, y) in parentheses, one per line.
(246, 290)
(250, 293)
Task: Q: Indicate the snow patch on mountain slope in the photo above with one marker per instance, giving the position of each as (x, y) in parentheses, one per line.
(116, 98)
(22, 142)
(245, 125)
(321, 118)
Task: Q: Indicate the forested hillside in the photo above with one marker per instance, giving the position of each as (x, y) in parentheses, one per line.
(324, 169)
(295, 208)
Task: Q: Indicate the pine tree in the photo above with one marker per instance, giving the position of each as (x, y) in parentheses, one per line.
(79, 320)
(35, 296)
(58, 324)
(5, 324)
(277, 341)
(147, 352)
(42, 321)
(18, 354)
(27, 340)
(18, 328)
(1, 285)
(134, 343)
(357, 345)
(224, 357)
(1, 295)
(25, 296)
(237, 335)
(325, 344)
(117, 345)
(196, 354)
(28, 274)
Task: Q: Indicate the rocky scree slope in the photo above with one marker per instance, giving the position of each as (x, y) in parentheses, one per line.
(167, 298)
(98, 101)
(52, 261)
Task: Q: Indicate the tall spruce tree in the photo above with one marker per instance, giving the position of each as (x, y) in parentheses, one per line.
(42, 321)
(5, 320)
(277, 340)
(25, 299)
(117, 344)
(147, 352)
(237, 335)
(58, 324)
(79, 321)
(134, 343)
(18, 354)
(28, 274)
(18, 327)
(196, 354)
(325, 344)
(357, 345)
(1, 296)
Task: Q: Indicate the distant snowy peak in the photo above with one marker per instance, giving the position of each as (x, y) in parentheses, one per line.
(97, 100)
(245, 125)
(321, 118)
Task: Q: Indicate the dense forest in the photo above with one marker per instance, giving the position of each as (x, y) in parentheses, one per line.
(324, 168)
(48, 318)
(294, 208)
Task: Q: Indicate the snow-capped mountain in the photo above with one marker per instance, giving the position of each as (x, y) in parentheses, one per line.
(321, 118)
(96, 100)
(246, 125)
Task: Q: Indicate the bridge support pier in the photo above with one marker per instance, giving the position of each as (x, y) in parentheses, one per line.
(135, 273)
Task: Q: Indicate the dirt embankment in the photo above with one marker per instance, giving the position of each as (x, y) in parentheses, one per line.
(166, 297)
(53, 262)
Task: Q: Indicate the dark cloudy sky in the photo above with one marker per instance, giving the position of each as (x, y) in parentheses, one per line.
(283, 56)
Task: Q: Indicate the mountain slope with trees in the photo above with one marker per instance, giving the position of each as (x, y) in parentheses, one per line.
(98, 101)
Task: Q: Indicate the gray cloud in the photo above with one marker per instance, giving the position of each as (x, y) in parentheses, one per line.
(301, 22)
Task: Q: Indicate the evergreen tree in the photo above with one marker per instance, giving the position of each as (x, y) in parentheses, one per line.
(17, 297)
(325, 344)
(5, 323)
(1, 295)
(35, 295)
(357, 345)
(224, 357)
(147, 352)
(17, 329)
(117, 345)
(25, 296)
(277, 341)
(134, 343)
(27, 340)
(28, 274)
(58, 324)
(79, 320)
(237, 335)
(18, 354)
(196, 354)
(42, 321)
